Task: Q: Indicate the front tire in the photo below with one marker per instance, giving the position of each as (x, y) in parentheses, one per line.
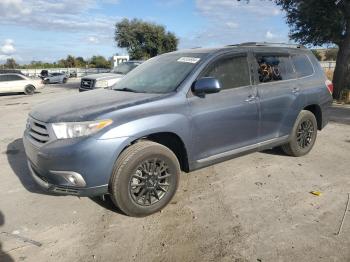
(29, 90)
(145, 178)
(303, 136)
(64, 80)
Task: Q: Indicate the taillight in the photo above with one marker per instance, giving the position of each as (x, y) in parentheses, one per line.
(329, 85)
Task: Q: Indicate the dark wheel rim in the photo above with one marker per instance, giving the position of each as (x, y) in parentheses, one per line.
(305, 133)
(29, 90)
(151, 182)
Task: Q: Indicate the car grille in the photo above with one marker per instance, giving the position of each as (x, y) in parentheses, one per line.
(38, 131)
(87, 83)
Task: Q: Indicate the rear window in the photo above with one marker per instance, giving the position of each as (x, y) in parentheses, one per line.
(302, 65)
(273, 68)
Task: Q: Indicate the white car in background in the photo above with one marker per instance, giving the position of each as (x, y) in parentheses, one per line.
(105, 80)
(18, 83)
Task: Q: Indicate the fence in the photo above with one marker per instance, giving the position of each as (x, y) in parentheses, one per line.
(79, 72)
(328, 65)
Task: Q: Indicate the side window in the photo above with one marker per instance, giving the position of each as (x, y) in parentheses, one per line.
(3, 78)
(302, 65)
(231, 72)
(13, 78)
(274, 68)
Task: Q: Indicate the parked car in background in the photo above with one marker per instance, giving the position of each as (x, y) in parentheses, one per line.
(105, 80)
(55, 78)
(18, 83)
(43, 74)
(179, 111)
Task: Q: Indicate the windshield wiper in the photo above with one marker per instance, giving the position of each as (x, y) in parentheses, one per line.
(126, 89)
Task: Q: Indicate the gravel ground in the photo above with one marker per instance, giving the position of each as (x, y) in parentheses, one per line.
(253, 208)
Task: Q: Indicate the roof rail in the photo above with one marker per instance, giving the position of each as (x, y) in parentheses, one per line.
(270, 44)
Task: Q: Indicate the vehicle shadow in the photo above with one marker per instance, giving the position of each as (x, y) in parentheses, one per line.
(107, 203)
(3, 256)
(277, 151)
(18, 162)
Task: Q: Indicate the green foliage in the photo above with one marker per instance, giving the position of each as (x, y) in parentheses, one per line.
(331, 54)
(100, 62)
(10, 64)
(315, 22)
(144, 40)
(69, 62)
(317, 54)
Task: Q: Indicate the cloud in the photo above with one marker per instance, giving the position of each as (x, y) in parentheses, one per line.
(8, 50)
(93, 40)
(64, 15)
(232, 21)
(270, 35)
(8, 47)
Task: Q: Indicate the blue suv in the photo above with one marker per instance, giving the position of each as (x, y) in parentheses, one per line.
(179, 111)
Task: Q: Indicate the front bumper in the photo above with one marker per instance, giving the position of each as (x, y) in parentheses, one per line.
(91, 159)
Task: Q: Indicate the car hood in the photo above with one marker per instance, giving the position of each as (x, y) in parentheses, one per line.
(103, 76)
(88, 105)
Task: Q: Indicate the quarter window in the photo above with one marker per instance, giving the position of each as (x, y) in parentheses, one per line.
(302, 65)
(274, 68)
(231, 72)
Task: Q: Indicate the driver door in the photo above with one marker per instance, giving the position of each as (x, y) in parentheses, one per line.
(228, 120)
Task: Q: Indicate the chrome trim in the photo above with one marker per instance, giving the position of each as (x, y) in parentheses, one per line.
(243, 149)
(80, 182)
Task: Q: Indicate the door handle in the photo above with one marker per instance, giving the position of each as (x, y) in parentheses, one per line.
(250, 98)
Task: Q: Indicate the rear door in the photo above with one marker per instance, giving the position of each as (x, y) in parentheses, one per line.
(16, 83)
(278, 93)
(229, 119)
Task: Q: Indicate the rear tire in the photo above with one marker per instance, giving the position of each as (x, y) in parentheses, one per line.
(145, 178)
(29, 90)
(303, 136)
(64, 80)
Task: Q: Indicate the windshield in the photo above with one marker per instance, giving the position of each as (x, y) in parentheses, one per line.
(161, 74)
(124, 68)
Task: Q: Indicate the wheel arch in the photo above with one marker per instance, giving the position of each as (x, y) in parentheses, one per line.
(317, 111)
(170, 140)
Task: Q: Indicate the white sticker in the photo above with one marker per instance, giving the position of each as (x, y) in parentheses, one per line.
(192, 60)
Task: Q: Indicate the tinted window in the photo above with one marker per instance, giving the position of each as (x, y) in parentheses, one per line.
(230, 71)
(3, 78)
(13, 78)
(274, 68)
(302, 65)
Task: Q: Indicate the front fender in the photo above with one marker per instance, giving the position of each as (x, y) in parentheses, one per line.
(172, 123)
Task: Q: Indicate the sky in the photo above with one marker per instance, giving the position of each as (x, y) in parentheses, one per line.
(48, 30)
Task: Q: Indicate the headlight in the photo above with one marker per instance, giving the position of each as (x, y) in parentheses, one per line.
(78, 129)
(101, 84)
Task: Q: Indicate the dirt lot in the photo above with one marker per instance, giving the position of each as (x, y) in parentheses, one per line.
(253, 208)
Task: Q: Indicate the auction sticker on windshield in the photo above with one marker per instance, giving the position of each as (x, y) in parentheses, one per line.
(192, 60)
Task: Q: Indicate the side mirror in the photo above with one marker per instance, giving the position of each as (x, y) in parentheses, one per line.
(206, 85)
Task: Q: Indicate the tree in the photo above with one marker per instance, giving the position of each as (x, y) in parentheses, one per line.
(80, 62)
(144, 40)
(317, 54)
(319, 22)
(331, 54)
(100, 62)
(10, 64)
